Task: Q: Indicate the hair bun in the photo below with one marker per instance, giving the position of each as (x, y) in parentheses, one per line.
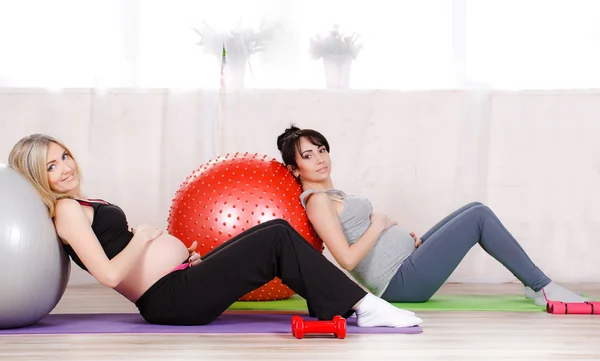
(285, 135)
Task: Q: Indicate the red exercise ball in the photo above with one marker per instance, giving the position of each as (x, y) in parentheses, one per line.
(231, 194)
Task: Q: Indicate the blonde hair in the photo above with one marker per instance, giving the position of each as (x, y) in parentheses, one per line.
(28, 157)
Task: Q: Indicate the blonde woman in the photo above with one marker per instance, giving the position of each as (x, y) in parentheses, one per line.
(171, 284)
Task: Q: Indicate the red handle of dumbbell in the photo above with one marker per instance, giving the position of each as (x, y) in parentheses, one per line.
(573, 308)
(300, 327)
(337, 326)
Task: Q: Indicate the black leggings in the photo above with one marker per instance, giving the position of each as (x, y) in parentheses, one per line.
(198, 295)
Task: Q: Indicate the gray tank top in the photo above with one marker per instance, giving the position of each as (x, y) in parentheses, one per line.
(394, 245)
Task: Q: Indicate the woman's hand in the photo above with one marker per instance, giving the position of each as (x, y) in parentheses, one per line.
(194, 258)
(418, 241)
(150, 233)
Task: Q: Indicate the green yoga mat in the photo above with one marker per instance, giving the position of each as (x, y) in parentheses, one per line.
(492, 303)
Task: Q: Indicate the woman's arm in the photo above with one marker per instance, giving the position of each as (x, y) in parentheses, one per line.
(323, 216)
(73, 227)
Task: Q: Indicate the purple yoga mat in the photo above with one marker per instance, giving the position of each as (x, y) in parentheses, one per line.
(134, 323)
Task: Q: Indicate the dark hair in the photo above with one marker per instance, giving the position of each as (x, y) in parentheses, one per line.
(288, 143)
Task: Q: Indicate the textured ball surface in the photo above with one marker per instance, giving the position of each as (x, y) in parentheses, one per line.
(34, 268)
(232, 194)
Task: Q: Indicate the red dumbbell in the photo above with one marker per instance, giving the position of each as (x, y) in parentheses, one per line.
(573, 308)
(337, 326)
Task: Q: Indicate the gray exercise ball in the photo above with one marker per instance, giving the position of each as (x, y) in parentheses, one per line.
(34, 267)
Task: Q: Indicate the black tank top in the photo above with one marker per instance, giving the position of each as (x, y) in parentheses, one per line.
(110, 227)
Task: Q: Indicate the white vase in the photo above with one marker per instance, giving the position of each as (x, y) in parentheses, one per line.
(337, 70)
(234, 74)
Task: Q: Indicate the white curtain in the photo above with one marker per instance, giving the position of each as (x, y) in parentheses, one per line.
(408, 45)
(533, 44)
(425, 126)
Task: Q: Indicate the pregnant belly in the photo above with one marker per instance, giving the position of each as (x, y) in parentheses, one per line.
(399, 233)
(161, 256)
(397, 241)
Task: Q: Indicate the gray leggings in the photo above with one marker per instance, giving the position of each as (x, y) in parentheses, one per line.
(446, 244)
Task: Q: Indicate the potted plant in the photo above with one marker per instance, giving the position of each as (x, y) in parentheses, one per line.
(235, 47)
(337, 51)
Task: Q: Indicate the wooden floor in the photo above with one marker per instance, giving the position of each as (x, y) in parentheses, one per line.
(447, 335)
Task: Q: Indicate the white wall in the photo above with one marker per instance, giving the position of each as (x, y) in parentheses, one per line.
(531, 156)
